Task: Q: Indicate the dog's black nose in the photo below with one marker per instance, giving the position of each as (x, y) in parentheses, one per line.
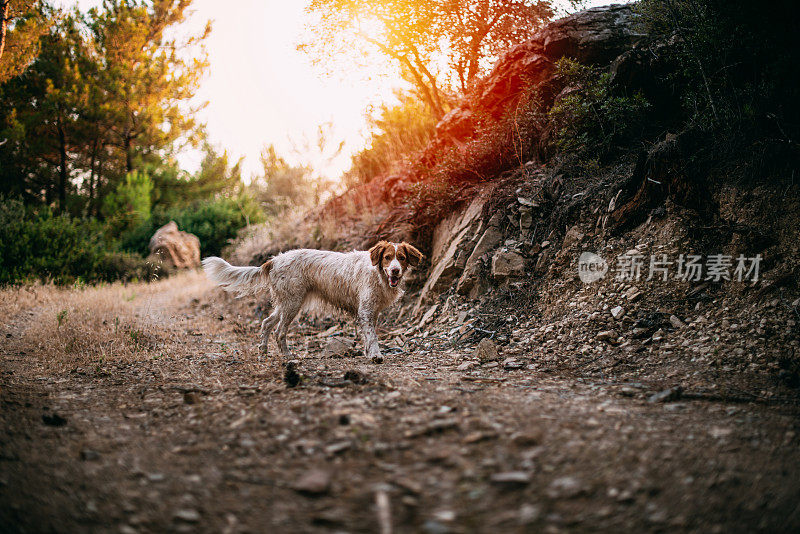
(395, 272)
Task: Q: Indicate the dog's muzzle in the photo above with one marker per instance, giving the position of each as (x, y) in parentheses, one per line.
(394, 279)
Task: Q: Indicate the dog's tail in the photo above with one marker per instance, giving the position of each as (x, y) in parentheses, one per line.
(240, 280)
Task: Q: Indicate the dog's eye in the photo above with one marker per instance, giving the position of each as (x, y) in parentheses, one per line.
(401, 258)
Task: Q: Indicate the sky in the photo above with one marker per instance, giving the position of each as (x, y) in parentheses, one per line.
(261, 90)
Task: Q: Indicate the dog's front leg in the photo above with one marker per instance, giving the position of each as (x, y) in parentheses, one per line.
(372, 351)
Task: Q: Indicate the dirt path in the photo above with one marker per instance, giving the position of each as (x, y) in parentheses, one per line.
(154, 414)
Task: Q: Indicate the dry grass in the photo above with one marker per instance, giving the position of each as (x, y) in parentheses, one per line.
(347, 222)
(66, 327)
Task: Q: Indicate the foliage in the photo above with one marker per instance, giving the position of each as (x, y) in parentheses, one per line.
(110, 92)
(737, 64)
(215, 222)
(129, 204)
(37, 244)
(438, 46)
(591, 121)
(25, 21)
(399, 132)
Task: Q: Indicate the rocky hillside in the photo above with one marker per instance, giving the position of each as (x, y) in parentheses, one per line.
(504, 249)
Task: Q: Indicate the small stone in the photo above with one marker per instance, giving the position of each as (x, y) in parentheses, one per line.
(511, 478)
(313, 482)
(466, 366)
(486, 351)
(666, 395)
(512, 363)
(53, 419)
(607, 335)
(337, 347)
(565, 488)
(187, 515)
(617, 312)
(505, 264)
(658, 335)
(191, 397)
(290, 376)
(676, 322)
(89, 455)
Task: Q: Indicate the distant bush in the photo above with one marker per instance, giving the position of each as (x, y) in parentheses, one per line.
(129, 204)
(215, 222)
(399, 132)
(36, 244)
(591, 122)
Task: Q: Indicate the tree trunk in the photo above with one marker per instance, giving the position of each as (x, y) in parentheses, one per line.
(128, 155)
(62, 169)
(4, 4)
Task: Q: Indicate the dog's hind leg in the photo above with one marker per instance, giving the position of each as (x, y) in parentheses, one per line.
(266, 329)
(289, 310)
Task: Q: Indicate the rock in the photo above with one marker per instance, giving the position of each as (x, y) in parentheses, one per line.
(466, 366)
(573, 237)
(666, 395)
(313, 482)
(490, 240)
(617, 312)
(89, 455)
(505, 264)
(528, 438)
(607, 335)
(290, 376)
(428, 316)
(486, 351)
(187, 515)
(355, 376)
(457, 123)
(510, 479)
(338, 347)
(658, 335)
(676, 322)
(173, 248)
(512, 363)
(565, 488)
(53, 419)
(450, 237)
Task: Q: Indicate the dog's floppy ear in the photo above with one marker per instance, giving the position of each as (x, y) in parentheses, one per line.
(414, 256)
(376, 252)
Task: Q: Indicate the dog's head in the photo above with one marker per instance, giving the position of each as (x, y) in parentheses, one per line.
(393, 259)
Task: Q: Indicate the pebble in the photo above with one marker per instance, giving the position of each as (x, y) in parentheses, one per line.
(565, 488)
(313, 482)
(676, 322)
(511, 478)
(466, 366)
(188, 515)
(512, 363)
(607, 335)
(486, 351)
(617, 312)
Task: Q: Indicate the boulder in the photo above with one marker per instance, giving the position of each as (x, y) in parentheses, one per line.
(453, 239)
(174, 248)
(507, 263)
(489, 240)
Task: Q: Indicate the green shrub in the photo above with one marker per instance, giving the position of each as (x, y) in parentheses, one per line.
(128, 205)
(215, 222)
(36, 244)
(591, 122)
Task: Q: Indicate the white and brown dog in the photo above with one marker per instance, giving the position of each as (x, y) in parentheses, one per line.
(361, 283)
